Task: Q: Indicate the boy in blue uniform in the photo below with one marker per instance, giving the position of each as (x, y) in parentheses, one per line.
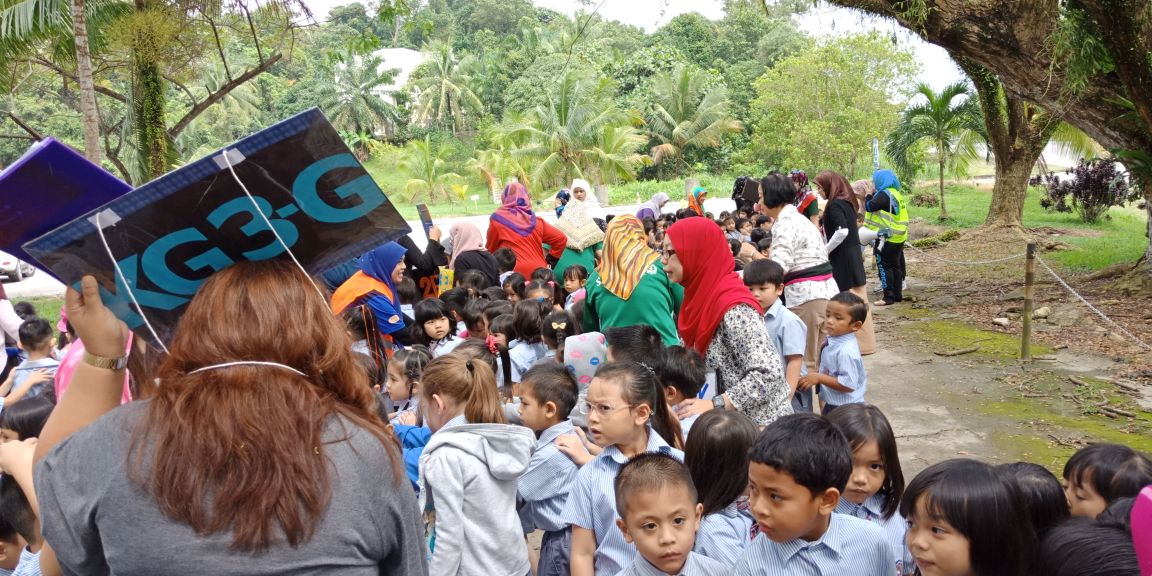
(765, 278)
(659, 513)
(841, 378)
(798, 467)
(548, 393)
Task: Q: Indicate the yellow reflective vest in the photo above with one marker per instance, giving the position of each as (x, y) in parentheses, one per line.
(895, 220)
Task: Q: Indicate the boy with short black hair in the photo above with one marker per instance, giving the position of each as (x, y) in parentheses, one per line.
(34, 376)
(765, 278)
(841, 378)
(659, 513)
(548, 393)
(10, 547)
(16, 510)
(505, 262)
(798, 468)
(682, 373)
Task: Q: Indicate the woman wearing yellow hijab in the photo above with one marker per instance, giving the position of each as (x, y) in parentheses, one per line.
(630, 287)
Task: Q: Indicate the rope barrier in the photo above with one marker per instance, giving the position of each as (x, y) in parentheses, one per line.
(965, 262)
(1120, 329)
(1094, 310)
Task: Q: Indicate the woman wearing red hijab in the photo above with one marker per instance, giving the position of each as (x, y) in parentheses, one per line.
(515, 226)
(722, 321)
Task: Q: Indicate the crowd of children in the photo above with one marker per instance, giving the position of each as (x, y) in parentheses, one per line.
(515, 420)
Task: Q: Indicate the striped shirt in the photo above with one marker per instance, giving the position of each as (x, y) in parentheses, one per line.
(695, 565)
(543, 489)
(841, 359)
(849, 546)
(723, 535)
(592, 504)
(29, 564)
(895, 528)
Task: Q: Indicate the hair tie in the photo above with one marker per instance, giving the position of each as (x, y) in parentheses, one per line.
(559, 325)
(471, 367)
(648, 368)
(492, 344)
(551, 283)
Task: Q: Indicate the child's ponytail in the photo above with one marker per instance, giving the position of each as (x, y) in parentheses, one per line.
(466, 381)
(638, 385)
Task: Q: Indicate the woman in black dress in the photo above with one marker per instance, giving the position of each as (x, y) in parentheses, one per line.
(841, 229)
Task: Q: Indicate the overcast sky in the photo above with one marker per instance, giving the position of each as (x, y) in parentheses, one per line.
(937, 68)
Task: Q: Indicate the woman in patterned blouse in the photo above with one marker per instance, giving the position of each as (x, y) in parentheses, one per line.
(722, 321)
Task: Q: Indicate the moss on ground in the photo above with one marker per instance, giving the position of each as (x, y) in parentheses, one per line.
(941, 335)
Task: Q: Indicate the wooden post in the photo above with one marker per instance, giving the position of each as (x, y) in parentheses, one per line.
(689, 185)
(1029, 288)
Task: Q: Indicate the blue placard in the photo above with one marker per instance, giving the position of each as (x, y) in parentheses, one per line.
(50, 185)
(170, 235)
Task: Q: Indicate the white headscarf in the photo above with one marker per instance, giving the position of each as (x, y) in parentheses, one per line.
(654, 204)
(591, 203)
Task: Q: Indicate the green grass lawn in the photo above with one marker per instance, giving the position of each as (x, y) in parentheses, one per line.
(1110, 241)
(46, 307)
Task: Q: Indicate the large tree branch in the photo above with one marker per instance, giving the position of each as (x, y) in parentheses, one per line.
(99, 89)
(1012, 40)
(1126, 29)
(24, 126)
(219, 95)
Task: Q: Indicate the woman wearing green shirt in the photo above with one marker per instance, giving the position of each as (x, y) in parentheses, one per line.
(630, 287)
(585, 238)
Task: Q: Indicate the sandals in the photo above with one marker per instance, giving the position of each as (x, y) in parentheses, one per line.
(881, 303)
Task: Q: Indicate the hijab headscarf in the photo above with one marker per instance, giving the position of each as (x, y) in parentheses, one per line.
(465, 237)
(563, 196)
(627, 255)
(883, 180)
(578, 226)
(696, 200)
(516, 212)
(658, 200)
(591, 202)
(378, 265)
(381, 261)
(711, 288)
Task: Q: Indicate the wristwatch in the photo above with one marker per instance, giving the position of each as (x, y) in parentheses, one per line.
(105, 363)
(718, 402)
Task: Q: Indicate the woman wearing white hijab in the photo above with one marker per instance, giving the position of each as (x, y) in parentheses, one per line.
(585, 238)
(581, 190)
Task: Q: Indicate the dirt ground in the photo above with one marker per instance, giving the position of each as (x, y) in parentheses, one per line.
(1086, 384)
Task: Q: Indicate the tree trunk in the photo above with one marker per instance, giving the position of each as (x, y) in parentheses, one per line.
(87, 86)
(1010, 190)
(148, 109)
(943, 207)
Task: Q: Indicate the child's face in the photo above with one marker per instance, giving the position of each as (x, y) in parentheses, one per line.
(437, 328)
(746, 230)
(398, 383)
(573, 284)
(939, 549)
(501, 338)
(481, 329)
(610, 419)
(838, 320)
(868, 473)
(766, 294)
(730, 225)
(1083, 499)
(662, 524)
(533, 414)
(784, 509)
(513, 297)
(7, 435)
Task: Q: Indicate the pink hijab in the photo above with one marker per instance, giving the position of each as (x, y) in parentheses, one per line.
(466, 237)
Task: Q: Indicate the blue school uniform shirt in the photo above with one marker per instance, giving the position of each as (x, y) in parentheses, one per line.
(523, 356)
(543, 488)
(788, 331)
(445, 345)
(841, 358)
(849, 546)
(592, 504)
(724, 535)
(694, 565)
(29, 564)
(895, 528)
(21, 373)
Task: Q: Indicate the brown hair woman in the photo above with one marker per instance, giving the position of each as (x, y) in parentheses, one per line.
(260, 451)
(844, 247)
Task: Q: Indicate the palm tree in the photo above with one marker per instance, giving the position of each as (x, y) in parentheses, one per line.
(952, 123)
(354, 101)
(426, 163)
(578, 132)
(443, 90)
(687, 115)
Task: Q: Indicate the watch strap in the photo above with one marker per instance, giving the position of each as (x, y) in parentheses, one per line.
(105, 363)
